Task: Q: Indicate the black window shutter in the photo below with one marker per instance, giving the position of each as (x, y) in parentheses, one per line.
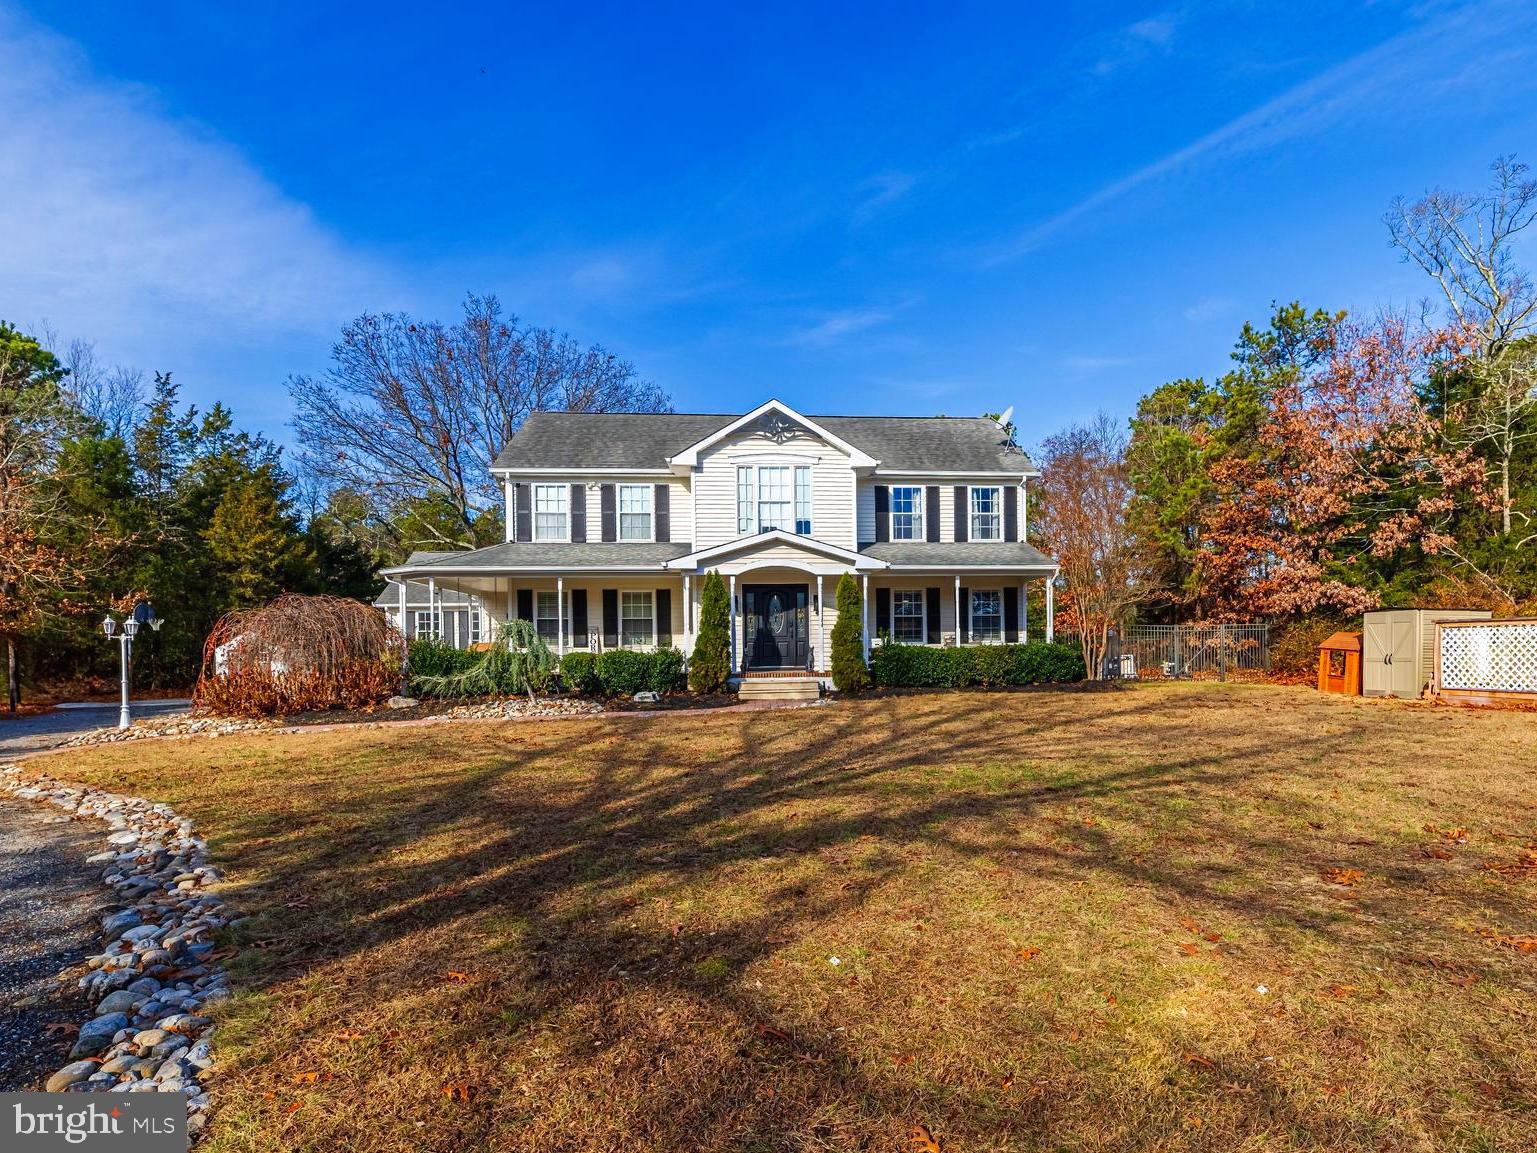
(962, 514)
(931, 513)
(610, 517)
(1011, 513)
(963, 616)
(525, 512)
(525, 604)
(1011, 615)
(579, 514)
(883, 611)
(579, 618)
(610, 615)
(663, 616)
(663, 513)
(932, 597)
(882, 513)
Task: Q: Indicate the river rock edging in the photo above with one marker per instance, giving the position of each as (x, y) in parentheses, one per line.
(158, 970)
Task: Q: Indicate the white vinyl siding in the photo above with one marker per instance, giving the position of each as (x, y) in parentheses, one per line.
(726, 490)
(635, 512)
(550, 522)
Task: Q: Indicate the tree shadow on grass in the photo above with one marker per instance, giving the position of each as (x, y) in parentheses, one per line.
(602, 889)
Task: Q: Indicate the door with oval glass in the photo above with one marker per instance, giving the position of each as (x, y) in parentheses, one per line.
(776, 626)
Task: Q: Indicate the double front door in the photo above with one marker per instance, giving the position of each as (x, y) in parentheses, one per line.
(775, 626)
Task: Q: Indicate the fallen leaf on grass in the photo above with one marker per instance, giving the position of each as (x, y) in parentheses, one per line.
(1342, 991)
(295, 1107)
(1197, 1059)
(922, 1140)
(1006, 1083)
(1214, 937)
(1190, 950)
(459, 1092)
(1029, 952)
(1193, 1122)
(1338, 876)
(457, 977)
(1490, 1091)
(1188, 924)
(769, 1031)
(1436, 852)
(348, 1035)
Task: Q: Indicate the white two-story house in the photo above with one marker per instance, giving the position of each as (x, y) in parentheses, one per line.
(614, 518)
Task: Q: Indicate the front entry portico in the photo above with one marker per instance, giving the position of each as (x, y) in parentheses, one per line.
(776, 626)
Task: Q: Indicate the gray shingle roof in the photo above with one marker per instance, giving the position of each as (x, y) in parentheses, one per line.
(980, 554)
(581, 440)
(555, 555)
(416, 591)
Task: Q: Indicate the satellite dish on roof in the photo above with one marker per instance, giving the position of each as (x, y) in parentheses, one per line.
(1003, 421)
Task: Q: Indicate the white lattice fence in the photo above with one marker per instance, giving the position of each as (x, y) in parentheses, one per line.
(1489, 657)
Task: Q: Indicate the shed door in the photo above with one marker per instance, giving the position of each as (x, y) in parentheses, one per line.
(1376, 647)
(1404, 670)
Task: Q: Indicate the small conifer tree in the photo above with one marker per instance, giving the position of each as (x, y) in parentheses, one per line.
(850, 674)
(710, 666)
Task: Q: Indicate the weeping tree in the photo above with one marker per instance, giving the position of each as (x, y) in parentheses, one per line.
(519, 662)
(710, 666)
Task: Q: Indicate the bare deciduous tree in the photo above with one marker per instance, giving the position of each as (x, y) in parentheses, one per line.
(1081, 515)
(1501, 418)
(414, 410)
(114, 397)
(1465, 241)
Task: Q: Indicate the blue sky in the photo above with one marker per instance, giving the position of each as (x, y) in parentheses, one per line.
(896, 209)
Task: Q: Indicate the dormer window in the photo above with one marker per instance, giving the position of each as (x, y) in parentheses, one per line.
(550, 521)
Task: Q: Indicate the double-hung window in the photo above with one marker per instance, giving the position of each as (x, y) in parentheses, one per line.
(428, 624)
(908, 625)
(907, 512)
(802, 500)
(986, 616)
(546, 615)
(774, 505)
(635, 512)
(746, 512)
(475, 625)
(987, 513)
(637, 626)
(550, 512)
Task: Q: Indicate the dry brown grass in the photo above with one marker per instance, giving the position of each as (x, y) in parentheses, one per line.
(1053, 915)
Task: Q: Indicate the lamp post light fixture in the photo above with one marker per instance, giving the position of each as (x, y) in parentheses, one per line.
(143, 614)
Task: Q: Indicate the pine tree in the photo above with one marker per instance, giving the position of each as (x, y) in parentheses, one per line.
(850, 673)
(710, 666)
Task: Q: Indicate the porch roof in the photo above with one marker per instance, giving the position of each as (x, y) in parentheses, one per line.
(542, 556)
(959, 555)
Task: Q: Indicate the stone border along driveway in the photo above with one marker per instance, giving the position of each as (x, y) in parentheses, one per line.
(159, 968)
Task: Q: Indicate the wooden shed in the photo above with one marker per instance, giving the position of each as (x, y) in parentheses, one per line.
(1339, 664)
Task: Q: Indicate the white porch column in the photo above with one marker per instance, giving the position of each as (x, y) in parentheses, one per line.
(1024, 613)
(432, 609)
(404, 629)
(864, 614)
(560, 616)
(821, 653)
(688, 618)
(960, 619)
(732, 605)
(1051, 616)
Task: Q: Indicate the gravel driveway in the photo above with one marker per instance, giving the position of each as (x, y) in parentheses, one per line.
(50, 901)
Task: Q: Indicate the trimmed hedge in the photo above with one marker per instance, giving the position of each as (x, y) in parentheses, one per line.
(920, 666)
(433, 658)
(622, 673)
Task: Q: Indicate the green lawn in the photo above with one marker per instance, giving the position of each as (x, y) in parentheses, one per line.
(1171, 917)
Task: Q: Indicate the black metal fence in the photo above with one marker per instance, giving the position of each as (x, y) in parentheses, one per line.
(1189, 652)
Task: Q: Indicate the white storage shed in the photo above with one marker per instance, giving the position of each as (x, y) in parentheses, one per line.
(1398, 649)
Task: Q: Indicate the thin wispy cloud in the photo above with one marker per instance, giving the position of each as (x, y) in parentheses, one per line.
(835, 326)
(123, 222)
(882, 191)
(1137, 41)
(1400, 69)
